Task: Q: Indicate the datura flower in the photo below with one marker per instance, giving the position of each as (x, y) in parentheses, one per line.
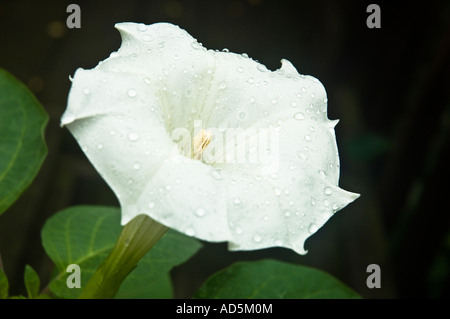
(209, 143)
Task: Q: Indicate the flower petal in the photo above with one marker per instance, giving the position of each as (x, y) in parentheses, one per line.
(273, 182)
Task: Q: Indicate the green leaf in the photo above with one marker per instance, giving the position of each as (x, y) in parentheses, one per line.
(22, 144)
(32, 282)
(84, 235)
(271, 279)
(4, 285)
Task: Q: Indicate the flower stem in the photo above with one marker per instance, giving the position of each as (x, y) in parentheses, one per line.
(135, 240)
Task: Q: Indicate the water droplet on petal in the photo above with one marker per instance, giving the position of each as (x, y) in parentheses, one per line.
(242, 115)
(238, 230)
(222, 85)
(307, 137)
(86, 91)
(262, 68)
(133, 136)
(131, 93)
(301, 155)
(200, 212)
(335, 207)
(240, 69)
(151, 205)
(313, 228)
(195, 45)
(327, 190)
(142, 27)
(287, 213)
(136, 166)
(278, 242)
(294, 104)
(237, 201)
(252, 100)
(100, 146)
(277, 191)
(257, 238)
(251, 80)
(190, 231)
(299, 116)
(313, 201)
(322, 173)
(274, 101)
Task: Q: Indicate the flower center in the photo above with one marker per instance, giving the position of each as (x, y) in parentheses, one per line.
(201, 141)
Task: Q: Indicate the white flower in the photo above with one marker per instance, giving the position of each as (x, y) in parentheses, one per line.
(136, 114)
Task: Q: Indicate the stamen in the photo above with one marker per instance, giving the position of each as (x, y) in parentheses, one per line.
(201, 141)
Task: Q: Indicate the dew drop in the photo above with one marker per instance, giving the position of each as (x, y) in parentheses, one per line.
(313, 201)
(307, 137)
(335, 206)
(322, 173)
(238, 230)
(86, 91)
(245, 55)
(136, 166)
(294, 104)
(240, 69)
(142, 27)
(312, 228)
(242, 115)
(287, 213)
(299, 116)
(252, 100)
(222, 85)
(326, 202)
(151, 205)
(313, 95)
(327, 190)
(195, 45)
(257, 238)
(261, 68)
(200, 212)
(278, 242)
(251, 80)
(237, 201)
(274, 101)
(133, 136)
(131, 93)
(226, 50)
(301, 155)
(303, 89)
(277, 191)
(100, 146)
(147, 81)
(190, 231)
(311, 128)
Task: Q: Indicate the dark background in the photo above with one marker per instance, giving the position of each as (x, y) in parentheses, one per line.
(389, 87)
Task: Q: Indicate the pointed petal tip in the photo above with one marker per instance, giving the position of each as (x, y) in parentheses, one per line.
(333, 123)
